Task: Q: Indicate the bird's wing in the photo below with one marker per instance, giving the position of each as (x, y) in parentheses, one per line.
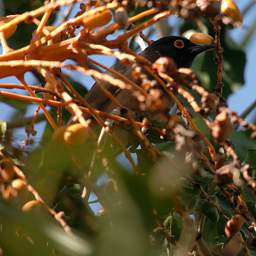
(96, 96)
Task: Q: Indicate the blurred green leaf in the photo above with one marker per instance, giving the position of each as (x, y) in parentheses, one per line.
(233, 74)
(119, 238)
(210, 211)
(243, 144)
(18, 105)
(234, 63)
(176, 227)
(200, 123)
(29, 231)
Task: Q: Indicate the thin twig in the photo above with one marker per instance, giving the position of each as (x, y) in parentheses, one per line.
(219, 54)
(46, 113)
(37, 34)
(35, 88)
(248, 110)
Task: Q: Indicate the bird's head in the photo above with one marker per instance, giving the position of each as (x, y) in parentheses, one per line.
(180, 49)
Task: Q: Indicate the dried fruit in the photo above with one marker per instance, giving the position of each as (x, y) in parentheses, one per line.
(222, 126)
(97, 20)
(224, 174)
(234, 225)
(165, 65)
(209, 7)
(157, 101)
(6, 169)
(201, 38)
(231, 13)
(210, 102)
(141, 3)
(8, 193)
(186, 8)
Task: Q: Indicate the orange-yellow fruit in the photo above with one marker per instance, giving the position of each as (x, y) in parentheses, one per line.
(7, 171)
(10, 30)
(29, 205)
(75, 134)
(165, 65)
(18, 184)
(201, 38)
(97, 20)
(230, 10)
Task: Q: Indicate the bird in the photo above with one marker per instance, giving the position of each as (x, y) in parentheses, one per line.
(181, 50)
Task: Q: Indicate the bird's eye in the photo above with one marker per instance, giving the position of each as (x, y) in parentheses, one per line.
(179, 43)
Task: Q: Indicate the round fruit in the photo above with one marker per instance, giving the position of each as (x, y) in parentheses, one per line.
(201, 38)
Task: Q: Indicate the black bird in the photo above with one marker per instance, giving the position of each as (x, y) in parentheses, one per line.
(180, 49)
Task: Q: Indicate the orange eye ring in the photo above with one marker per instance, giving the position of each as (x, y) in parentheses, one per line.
(179, 44)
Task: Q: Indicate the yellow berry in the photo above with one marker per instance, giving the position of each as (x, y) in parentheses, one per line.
(201, 38)
(29, 205)
(97, 20)
(18, 184)
(231, 12)
(75, 134)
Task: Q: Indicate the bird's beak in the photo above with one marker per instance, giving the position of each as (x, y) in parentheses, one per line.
(198, 48)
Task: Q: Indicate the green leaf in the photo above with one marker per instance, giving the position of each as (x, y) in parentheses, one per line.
(224, 204)
(243, 144)
(234, 61)
(234, 64)
(251, 158)
(176, 227)
(165, 145)
(200, 123)
(210, 211)
(203, 181)
(14, 103)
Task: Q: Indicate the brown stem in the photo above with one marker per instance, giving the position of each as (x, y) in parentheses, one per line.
(54, 103)
(34, 88)
(46, 113)
(219, 54)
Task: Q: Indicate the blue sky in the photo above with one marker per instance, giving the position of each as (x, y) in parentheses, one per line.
(247, 94)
